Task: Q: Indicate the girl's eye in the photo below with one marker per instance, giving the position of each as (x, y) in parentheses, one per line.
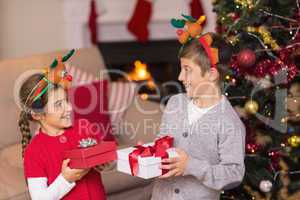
(58, 105)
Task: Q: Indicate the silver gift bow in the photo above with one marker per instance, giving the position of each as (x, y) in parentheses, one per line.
(88, 142)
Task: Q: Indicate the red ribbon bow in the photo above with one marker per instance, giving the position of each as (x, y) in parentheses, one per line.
(159, 149)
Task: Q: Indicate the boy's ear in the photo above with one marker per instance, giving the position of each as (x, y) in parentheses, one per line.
(213, 75)
(36, 116)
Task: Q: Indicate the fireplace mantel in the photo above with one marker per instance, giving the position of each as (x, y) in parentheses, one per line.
(114, 15)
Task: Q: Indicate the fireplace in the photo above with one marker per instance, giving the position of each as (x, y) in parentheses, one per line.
(118, 45)
(159, 56)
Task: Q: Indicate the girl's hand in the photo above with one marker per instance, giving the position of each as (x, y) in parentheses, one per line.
(106, 166)
(72, 175)
(176, 165)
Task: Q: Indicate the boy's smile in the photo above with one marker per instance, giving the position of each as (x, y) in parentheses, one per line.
(192, 78)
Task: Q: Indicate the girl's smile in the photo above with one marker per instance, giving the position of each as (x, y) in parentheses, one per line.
(57, 115)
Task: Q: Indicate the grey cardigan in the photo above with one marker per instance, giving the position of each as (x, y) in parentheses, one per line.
(215, 144)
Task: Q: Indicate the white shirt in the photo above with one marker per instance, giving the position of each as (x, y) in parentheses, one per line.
(195, 112)
(39, 190)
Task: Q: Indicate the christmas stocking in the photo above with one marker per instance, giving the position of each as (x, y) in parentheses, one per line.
(93, 22)
(196, 9)
(138, 24)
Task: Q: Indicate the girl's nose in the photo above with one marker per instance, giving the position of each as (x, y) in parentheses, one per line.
(68, 107)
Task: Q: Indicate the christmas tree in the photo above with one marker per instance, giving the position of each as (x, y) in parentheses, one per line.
(264, 87)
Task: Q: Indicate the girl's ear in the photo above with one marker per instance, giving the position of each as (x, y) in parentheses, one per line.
(213, 75)
(37, 116)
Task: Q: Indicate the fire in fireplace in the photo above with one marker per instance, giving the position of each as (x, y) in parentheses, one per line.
(155, 62)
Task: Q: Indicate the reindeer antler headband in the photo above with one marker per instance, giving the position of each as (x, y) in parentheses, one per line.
(55, 74)
(190, 28)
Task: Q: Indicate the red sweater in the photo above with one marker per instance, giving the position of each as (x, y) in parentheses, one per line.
(44, 156)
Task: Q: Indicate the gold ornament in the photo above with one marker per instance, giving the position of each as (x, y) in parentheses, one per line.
(251, 107)
(294, 141)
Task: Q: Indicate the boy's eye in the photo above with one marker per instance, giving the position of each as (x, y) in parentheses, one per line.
(187, 69)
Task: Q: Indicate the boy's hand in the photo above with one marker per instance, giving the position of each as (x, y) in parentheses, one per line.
(72, 175)
(176, 165)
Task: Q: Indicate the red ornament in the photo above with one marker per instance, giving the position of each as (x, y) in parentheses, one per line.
(246, 58)
(237, 67)
(285, 63)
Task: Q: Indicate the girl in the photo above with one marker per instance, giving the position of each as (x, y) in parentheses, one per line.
(208, 134)
(44, 100)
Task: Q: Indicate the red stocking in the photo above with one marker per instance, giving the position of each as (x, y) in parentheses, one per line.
(93, 22)
(196, 9)
(138, 24)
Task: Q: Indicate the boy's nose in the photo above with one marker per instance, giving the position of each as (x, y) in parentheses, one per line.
(181, 76)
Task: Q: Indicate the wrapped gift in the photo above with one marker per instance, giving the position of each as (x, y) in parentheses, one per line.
(89, 154)
(144, 161)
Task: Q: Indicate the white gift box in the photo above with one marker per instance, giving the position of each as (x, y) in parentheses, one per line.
(148, 167)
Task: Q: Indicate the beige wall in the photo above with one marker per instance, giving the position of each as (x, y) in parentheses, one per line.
(30, 26)
(36, 26)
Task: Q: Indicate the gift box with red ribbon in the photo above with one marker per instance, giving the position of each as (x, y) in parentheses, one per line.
(90, 154)
(144, 161)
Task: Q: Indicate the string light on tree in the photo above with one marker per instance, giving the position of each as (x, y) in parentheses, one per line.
(233, 39)
(245, 3)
